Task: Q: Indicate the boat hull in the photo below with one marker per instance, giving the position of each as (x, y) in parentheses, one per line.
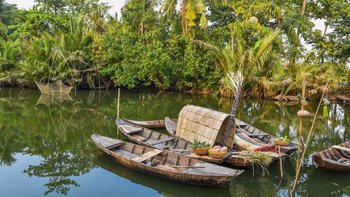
(330, 159)
(187, 178)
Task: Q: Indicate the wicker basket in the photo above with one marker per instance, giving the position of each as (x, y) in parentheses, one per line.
(282, 143)
(201, 151)
(217, 155)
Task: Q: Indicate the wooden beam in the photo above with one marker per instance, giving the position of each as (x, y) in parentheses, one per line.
(163, 140)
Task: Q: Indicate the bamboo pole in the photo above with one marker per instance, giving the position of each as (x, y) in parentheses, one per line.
(118, 103)
(308, 140)
(300, 123)
(281, 164)
(118, 108)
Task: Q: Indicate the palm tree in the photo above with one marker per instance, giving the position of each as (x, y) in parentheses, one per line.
(239, 59)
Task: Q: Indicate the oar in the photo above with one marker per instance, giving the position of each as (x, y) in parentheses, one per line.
(187, 166)
(228, 154)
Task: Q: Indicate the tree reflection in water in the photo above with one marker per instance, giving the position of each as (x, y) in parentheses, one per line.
(47, 129)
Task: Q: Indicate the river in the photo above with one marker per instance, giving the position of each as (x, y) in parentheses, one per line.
(45, 147)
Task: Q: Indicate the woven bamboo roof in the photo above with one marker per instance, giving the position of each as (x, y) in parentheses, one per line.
(203, 124)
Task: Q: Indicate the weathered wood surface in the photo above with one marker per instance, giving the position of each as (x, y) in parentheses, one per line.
(335, 158)
(166, 164)
(147, 155)
(150, 124)
(341, 148)
(131, 130)
(170, 126)
(162, 141)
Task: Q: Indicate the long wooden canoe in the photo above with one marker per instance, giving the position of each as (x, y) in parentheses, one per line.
(154, 139)
(261, 136)
(335, 158)
(164, 164)
(252, 132)
(150, 124)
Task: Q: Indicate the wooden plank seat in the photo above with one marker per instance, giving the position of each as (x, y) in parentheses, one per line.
(131, 129)
(162, 141)
(147, 155)
(114, 145)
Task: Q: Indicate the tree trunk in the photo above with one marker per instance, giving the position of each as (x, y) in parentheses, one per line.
(183, 17)
(325, 29)
(303, 7)
(232, 114)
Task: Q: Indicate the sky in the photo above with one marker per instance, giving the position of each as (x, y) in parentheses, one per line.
(116, 5)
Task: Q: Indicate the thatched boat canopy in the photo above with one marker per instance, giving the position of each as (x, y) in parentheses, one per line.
(203, 124)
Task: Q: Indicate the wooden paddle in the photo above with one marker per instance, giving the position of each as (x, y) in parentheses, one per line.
(187, 166)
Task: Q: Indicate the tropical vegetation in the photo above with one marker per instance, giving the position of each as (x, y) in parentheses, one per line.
(166, 44)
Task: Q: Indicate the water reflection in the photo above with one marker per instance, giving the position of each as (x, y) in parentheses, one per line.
(58, 131)
(56, 98)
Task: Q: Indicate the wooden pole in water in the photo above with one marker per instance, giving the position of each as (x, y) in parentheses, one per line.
(118, 108)
(281, 164)
(301, 123)
(308, 140)
(118, 103)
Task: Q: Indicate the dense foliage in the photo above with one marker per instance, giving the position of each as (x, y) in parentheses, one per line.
(174, 45)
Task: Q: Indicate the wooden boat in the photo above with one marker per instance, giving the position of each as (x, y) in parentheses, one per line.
(257, 135)
(57, 87)
(335, 158)
(261, 136)
(162, 141)
(164, 164)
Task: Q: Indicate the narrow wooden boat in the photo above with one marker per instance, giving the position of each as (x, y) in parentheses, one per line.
(335, 158)
(244, 129)
(164, 164)
(57, 87)
(162, 141)
(150, 124)
(261, 136)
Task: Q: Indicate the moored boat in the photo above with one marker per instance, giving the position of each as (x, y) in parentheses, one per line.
(244, 130)
(176, 144)
(335, 158)
(164, 164)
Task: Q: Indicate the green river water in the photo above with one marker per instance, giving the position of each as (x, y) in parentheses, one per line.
(45, 146)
